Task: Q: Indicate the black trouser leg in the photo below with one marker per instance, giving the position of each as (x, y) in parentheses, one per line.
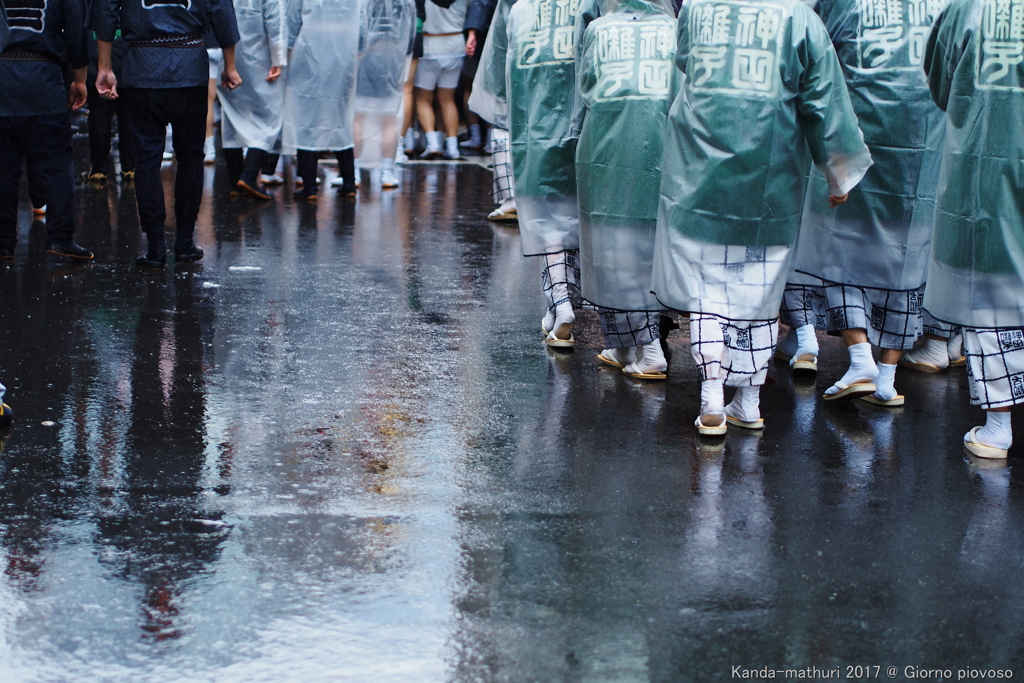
(234, 160)
(306, 162)
(149, 126)
(51, 156)
(270, 165)
(101, 115)
(36, 185)
(347, 166)
(125, 152)
(188, 133)
(12, 151)
(254, 159)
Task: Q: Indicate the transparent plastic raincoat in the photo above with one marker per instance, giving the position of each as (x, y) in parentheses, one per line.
(973, 61)
(252, 113)
(488, 98)
(541, 90)
(320, 91)
(763, 85)
(388, 30)
(627, 82)
(880, 238)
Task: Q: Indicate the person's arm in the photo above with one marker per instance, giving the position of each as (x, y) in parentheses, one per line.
(274, 25)
(942, 54)
(824, 109)
(229, 78)
(78, 92)
(5, 31)
(106, 17)
(76, 43)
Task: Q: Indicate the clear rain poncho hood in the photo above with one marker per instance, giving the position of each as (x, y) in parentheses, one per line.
(880, 238)
(975, 72)
(320, 92)
(541, 90)
(252, 113)
(389, 27)
(626, 83)
(763, 85)
(488, 98)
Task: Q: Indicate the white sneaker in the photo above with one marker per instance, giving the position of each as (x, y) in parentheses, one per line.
(273, 179)
(388, 180)
(433, 150)
(400, 155)
(209, 152)
(337, 182)
(451, 148)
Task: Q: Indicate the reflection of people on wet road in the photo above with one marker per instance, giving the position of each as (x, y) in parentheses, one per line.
(34, 124)
(868, 258)
(165, 528)
(974, 277)
(541, 89)
(618, 171)
(726, 262)
(319, 96)
(251, 113)
(164, 81)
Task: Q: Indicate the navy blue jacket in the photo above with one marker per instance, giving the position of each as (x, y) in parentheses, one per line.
(141, 21)
(48, 32)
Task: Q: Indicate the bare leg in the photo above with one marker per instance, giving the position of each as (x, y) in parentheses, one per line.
(425, 109)
(449, 112)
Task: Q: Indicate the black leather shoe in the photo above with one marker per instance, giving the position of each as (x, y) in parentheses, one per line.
(70, 249)
(6, 415)
(148, 262)
(251, 189)
(188, 255)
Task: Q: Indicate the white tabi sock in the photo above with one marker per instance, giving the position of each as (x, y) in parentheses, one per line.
(933, 352)
(955, 347)
(712, 397)
(862, 367)
(650, 359)
(745, 404)
(997, 432)
(885, 382)
(806, 340)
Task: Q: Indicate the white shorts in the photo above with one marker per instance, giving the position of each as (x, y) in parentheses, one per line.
(438, 71)
(216, 59)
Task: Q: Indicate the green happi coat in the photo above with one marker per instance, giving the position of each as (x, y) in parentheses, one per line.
(541, 89)
(881, 237)
(488, 98)
(973, 60)
(626, 84)
(763, 85)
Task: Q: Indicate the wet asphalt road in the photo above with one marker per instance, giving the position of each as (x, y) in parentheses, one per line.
(337, 449)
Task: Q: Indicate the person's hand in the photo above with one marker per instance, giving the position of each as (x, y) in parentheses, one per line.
(106, 84)
(834, 201)
(275, 73)
(230, 79)
(77, 96)
(471, 43)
